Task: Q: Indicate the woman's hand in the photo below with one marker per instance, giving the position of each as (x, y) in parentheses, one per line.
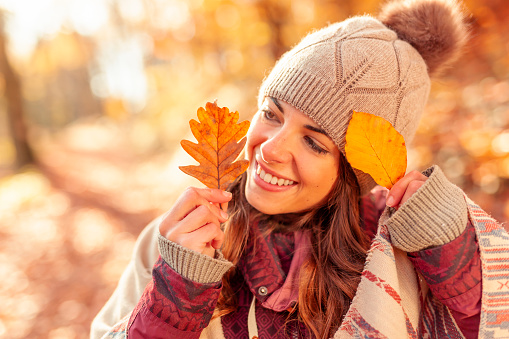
(194, 221)
(405, 188)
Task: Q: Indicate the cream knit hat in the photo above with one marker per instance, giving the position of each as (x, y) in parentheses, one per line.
(361, 64)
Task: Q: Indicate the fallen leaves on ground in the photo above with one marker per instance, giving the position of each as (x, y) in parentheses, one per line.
(68, 226)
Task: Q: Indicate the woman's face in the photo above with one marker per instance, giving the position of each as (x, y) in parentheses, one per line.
(293, 163)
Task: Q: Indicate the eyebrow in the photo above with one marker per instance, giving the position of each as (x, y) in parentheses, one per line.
(316, 129)
(309, 127)
(278, 105)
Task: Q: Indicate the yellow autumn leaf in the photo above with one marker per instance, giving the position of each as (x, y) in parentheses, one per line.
(220, 141)
(375, 147)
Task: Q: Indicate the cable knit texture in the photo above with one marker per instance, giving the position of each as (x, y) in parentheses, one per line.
(435, 215)
(377, 66)
(358, 64)
(191, 264)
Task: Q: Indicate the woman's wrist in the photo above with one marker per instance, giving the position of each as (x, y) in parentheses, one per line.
(435, 215)
(191, 264)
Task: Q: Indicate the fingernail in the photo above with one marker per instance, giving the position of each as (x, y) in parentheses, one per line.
(227, 194)
(224, 215)
(390, 201)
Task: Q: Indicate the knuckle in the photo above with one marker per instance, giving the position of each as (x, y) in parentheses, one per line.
(215, 230)
(415, 185)
(202, 210)
(191, 192)
(208, 228)
(417, 174)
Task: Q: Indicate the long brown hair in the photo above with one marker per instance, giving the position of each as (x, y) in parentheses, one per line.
(338, 244)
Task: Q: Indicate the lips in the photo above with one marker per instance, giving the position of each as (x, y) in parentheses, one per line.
(272, 179)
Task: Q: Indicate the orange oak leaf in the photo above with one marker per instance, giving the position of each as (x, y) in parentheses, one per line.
(220, 141)
(375, 147)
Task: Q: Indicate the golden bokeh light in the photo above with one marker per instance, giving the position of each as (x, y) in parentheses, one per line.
(107, 89)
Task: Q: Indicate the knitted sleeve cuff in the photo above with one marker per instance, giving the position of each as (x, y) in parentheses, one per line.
(191, 264)
(435, 215)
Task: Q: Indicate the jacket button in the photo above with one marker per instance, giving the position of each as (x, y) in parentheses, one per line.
(263, 290)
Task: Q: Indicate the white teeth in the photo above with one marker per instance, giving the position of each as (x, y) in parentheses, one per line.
(267, 177)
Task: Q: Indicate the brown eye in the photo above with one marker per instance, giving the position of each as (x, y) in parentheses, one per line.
(269, 115)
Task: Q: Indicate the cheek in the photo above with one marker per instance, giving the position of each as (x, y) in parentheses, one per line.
(249, 146)
(254, 137)
(323, 182)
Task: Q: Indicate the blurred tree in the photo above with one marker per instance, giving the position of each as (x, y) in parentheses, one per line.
(14, 104)
(276, 15)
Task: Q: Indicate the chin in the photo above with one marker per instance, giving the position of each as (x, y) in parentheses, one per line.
(265, 204)
(260, 206)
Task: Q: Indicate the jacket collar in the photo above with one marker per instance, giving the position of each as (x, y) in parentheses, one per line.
(264, 264)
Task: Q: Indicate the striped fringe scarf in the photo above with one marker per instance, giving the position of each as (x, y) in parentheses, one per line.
(393, 302)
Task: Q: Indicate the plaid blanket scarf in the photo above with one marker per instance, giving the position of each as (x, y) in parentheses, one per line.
(393, 302)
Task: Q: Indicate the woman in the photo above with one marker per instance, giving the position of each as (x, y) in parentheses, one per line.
(289, 257)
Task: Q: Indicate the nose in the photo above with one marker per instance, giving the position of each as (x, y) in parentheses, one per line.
(276, 149)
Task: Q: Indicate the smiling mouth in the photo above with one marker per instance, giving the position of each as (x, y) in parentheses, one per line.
(272, 179)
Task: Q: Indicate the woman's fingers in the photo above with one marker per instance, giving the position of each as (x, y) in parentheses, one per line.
(405, 188)
(210, 235)
(200, 216)
(193, 197)
(195, 220)
(412, 187)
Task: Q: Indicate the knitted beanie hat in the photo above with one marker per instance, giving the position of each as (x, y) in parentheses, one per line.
(378, 66)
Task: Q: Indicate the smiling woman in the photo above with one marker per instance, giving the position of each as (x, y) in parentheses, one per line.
(284, 145)
(285, 251)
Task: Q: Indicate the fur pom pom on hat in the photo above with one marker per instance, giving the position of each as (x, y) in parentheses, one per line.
(378, 66)
(436, 29)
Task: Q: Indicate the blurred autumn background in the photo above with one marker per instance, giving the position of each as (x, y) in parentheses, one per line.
(96, 94)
